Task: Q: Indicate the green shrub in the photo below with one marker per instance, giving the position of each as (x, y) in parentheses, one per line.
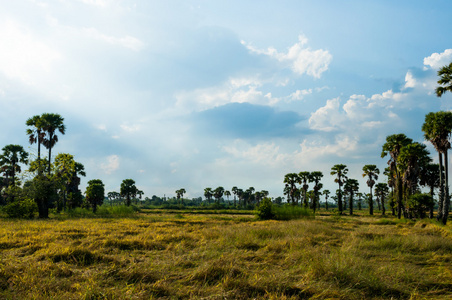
(290, 212)
(24, 209)
(265, 209)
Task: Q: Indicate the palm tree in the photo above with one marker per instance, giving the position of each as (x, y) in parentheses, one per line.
(10, 159)
(437, 129)
(411, 160)
(340, 171)
(50, 124)
(291, 179)
(326, 193)
(316, 176)
(445, 81)
(180, 194)
(208, 194)
(360, 196)
(304, 178)
(218, 193)
(429, 176)
(234, 191)
(128, 189)
(393, 145)
(351, 186)
(95, 193)
(36, 134)
(371, 171)
(381, 191)
(227, 194)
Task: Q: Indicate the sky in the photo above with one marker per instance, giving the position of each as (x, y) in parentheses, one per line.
(195, 94)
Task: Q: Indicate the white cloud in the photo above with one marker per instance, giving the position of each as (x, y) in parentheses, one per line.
(410, 81)
(328, 117)
(24, 56)
(301, 59)
(111, 165)
(127, 41)
(101, 3)
(264, 154)
(438, 60)
(299, 94)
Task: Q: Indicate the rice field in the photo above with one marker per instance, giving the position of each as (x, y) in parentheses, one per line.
(157, 255)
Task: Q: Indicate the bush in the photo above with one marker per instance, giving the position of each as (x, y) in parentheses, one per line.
(290, 212)
(265, 209)
(21, 209)
(419, 204)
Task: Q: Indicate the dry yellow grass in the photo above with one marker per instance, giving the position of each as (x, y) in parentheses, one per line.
(224, 257)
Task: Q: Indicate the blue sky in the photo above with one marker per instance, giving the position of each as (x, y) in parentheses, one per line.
(196, 94)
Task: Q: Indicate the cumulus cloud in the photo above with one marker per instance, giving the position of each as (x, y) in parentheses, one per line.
(111, 164)
(438, 60)
(301, 59)
(127, 41)
(23, 55)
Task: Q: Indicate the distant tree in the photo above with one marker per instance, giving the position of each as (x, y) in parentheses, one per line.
(50, 124)
(234, 191)
(10, 159)
(381, 191)
(445, 81)
(437, 129)
(371, 171)
(180, 194)
(304, 178)
(429, 176)
(36, 134)
(351, 186)
(326, 193)
(66, 173)
(360, 196)
(128, 190)
(393, 145)
(227, 194)
(411, 160)
(291, 179)
(316, 176)
(112, 196)
(208, 193)
(95, 193)
(340, 171)
(218, 193)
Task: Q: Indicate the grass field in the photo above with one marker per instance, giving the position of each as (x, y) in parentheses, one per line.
(224, 256)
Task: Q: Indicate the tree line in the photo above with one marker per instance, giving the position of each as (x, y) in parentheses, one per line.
(49, 183)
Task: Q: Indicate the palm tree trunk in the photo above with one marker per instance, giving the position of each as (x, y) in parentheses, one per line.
(430, 215)
(371, 203)
(446, 204)
(339, 200)
(441, 188)
(350, 204)
(383, 209)
(399, 196)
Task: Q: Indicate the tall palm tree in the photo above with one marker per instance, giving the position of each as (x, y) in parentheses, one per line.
(371, 171)
(51, 123)
(10, 158)
(437, 129)
(305, 177)
(291, 179)
(393, 145)
(351, 186)
(381, 191)
(128, 189)
(208, 193)
(180, 194)
(227, 194)
(218, 193)
(445, 81)
(316, 176)
(234, 191)
(340, 171)
(326, 193)
(36, 134)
